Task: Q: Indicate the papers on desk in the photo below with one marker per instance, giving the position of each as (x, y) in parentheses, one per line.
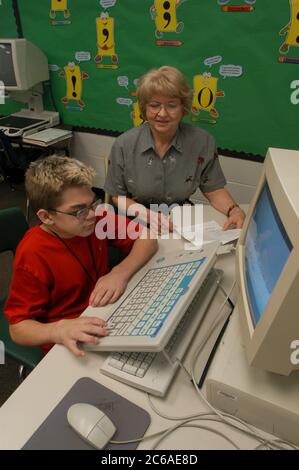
(211, 231)
(47, 136)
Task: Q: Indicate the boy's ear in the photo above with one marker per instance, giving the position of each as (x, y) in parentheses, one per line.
(45, 217)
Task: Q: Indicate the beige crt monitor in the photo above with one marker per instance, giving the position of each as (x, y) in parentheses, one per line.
(250, 376)
(22, 64)
(23, 68)
(268, 266)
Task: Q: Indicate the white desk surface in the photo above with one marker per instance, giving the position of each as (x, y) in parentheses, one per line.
(35, 398)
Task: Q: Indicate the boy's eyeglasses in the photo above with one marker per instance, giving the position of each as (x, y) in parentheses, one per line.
(171, 108)
(81, 214)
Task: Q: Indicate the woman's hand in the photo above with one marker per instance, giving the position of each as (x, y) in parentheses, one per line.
(159, 224)
(83, 329)
(236, 218)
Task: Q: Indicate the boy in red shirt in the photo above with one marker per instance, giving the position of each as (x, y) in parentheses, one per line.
(61, 266)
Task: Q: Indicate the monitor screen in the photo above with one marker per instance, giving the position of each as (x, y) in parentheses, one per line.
(7, 73)
(267, 249)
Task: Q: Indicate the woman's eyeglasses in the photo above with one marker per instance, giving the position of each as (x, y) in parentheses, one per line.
(81, 214)
(170, 108)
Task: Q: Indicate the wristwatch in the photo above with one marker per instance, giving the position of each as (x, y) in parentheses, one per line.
(230, 209)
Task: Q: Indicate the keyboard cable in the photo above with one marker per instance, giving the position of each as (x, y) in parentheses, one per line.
(215, 415)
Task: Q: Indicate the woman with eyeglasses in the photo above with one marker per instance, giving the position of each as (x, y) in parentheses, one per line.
(164, 161)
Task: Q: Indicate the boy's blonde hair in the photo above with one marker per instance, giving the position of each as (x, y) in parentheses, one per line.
(47, 178)
(166, 80)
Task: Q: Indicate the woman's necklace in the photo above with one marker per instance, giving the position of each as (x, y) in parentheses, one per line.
(77, 257)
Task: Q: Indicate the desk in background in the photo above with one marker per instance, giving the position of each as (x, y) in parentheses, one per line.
(50, 138)
(43, 389)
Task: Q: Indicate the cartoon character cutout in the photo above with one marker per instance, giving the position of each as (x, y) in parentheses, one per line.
(163, 12)
(59, 6)
(291, 29)
(105, 40)
(74, 77)
(205, 94)
(136, 115)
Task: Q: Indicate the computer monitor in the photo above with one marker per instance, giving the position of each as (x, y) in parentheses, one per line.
(22, 65)
(268, 266)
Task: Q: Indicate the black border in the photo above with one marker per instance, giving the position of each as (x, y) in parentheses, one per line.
(16, 10)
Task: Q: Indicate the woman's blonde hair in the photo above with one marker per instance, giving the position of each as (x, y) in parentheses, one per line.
(167, 81)
(47, 178)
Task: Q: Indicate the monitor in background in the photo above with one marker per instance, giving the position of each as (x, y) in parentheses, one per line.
(268, 266)
(23, 68)
(22, 64)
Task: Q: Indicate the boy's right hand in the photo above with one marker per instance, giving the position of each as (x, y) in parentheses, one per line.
(83, 329)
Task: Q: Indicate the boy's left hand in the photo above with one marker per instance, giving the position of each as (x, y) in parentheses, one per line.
(108, 288)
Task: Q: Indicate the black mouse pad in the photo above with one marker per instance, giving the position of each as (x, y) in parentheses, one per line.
(130, 420)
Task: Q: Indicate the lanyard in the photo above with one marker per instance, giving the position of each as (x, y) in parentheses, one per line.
(78, 259)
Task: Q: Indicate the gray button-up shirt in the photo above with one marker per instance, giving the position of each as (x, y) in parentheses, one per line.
(137, 171)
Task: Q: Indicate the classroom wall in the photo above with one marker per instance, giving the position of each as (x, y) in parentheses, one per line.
(241, 175)
(241, 65)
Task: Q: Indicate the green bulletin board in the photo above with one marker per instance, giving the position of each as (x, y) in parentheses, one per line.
(250, 100)
(8, 26)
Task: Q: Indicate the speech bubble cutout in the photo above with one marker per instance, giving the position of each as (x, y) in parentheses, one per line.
(212, 60)
(82, 56)
(53, 67)
(124, 101)
(230, 70)
(107, 3)
(123, 80)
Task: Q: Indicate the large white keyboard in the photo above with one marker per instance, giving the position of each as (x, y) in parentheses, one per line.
(153, 372)
(145, 310)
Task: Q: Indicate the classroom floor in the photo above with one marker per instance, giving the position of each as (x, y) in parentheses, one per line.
(9, 379)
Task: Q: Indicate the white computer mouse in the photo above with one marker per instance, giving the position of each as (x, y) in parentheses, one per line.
(91, 424)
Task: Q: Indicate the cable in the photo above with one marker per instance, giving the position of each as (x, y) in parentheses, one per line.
(213, 415)
(252, 432)
(49, 83)
(223, 417)
(171, 429)
(227, 297)
(207, 428)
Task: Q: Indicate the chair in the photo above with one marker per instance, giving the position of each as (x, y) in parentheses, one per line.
(15, 160)
(108, 199)
(13, 225)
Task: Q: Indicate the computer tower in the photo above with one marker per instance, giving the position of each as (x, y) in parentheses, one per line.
(266, 400)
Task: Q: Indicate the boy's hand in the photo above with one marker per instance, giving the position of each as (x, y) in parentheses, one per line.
(109, 288)
(83, 329)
